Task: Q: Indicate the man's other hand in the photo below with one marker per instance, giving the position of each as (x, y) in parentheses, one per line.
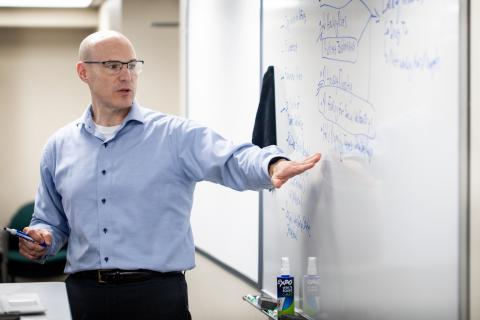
(34, 251)
(282, 170)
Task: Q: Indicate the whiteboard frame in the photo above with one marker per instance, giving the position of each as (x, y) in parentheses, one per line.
(260, 198)
(464, 148)
(474, 158)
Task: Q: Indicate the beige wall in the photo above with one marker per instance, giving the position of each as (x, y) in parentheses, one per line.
(110, 15)
(215, 294)
(159, 47)
(40, 92)
(475, 162)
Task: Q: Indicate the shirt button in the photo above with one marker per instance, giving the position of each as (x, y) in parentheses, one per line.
(106, 259)
(105, 144)
(105, 230)
(104, 172)
(104, 200)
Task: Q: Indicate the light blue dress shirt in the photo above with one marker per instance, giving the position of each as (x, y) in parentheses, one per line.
(125, 202)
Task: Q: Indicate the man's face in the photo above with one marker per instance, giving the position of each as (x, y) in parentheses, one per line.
(114, 91)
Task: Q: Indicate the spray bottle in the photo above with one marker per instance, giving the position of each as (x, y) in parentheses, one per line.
(311, 290)
(285, 290)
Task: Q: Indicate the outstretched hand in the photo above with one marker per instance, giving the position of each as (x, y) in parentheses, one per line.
(282, 170)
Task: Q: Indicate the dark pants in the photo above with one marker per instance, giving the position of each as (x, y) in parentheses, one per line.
(164, 298)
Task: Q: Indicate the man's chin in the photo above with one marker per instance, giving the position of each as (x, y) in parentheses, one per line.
(124, 104)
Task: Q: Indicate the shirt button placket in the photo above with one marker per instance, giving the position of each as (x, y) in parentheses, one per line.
(103, 187)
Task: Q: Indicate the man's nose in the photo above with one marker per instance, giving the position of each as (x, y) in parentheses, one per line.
(125, 73)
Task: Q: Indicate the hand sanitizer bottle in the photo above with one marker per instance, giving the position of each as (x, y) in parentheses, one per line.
(311, 290)
(285, 290)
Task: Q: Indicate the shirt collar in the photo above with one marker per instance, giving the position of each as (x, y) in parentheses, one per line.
(135, 114)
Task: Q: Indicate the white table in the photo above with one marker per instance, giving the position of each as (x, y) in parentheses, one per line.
(53, 296)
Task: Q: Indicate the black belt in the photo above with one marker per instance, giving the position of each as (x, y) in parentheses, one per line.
(122, 276)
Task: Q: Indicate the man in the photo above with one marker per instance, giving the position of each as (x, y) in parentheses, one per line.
(118, 184)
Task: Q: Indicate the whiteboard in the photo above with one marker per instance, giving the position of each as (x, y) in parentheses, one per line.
(374, 87)
(223, 87)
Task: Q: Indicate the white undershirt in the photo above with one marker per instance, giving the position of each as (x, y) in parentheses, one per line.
(108, 132)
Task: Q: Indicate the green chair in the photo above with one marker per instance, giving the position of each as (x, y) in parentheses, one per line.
(19, 266)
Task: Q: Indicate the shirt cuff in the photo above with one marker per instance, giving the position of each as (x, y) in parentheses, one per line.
(276, 153)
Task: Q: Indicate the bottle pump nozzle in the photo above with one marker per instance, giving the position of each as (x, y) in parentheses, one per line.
(285, 268)
(312, 266)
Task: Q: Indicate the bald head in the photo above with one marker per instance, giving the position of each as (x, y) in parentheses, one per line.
(94, 42)
(112, 90)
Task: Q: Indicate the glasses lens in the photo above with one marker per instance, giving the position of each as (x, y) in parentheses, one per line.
(135, 66)
(113, 66)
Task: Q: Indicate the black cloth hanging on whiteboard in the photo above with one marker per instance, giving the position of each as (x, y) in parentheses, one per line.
(264, 130)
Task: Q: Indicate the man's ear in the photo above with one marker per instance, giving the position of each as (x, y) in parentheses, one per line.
(82, 71)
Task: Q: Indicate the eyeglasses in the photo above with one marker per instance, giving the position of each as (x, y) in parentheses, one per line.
(114, 66)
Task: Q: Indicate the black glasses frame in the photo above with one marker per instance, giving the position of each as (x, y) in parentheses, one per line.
(105, 63)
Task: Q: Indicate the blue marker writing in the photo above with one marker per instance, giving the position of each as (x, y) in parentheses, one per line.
(20, 234)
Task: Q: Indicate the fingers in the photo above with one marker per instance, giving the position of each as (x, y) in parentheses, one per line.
(31, 250)
(289, 169)
(288, 172)
(296, 168)
(304, 167)
(39, 235)
(314, 158)
(311, 160)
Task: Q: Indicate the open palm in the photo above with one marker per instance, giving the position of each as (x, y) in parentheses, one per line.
(283, 170)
